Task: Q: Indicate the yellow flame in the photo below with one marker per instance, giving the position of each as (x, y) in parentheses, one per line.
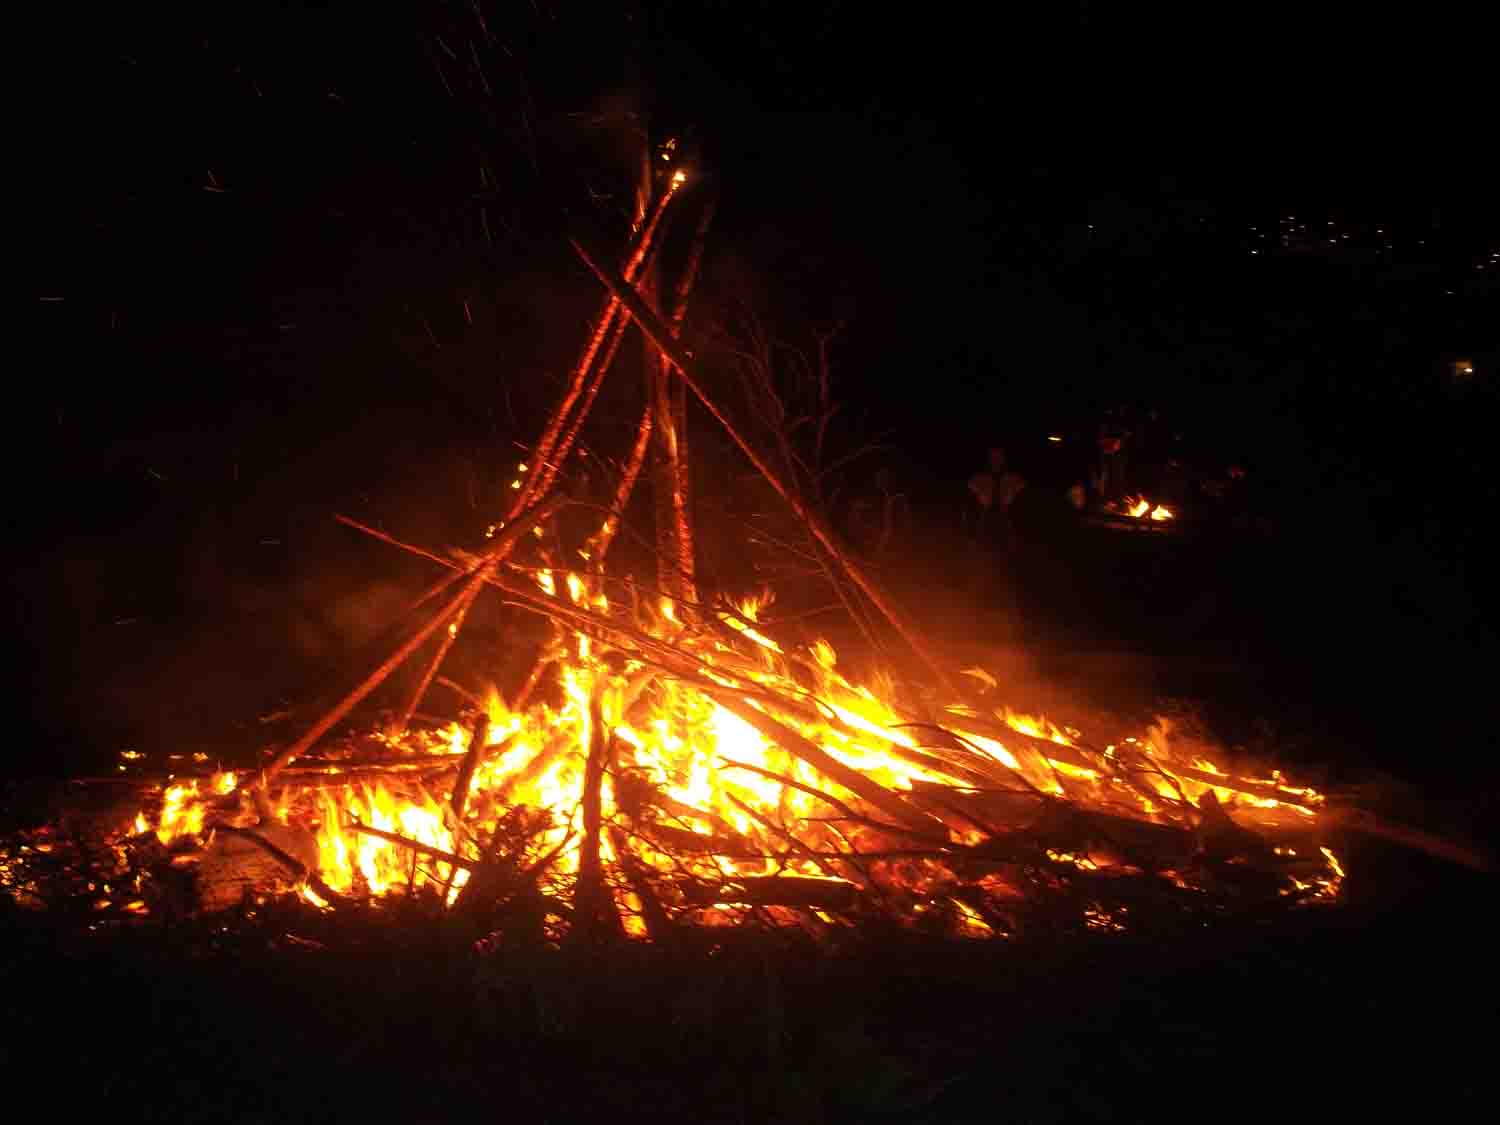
(972, 924)
(1139, 507)
(1333, 862)
(692, 765)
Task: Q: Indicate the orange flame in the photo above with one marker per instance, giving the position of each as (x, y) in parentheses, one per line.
(681, 762)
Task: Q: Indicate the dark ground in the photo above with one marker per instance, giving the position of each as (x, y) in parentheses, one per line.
(1363, 1010)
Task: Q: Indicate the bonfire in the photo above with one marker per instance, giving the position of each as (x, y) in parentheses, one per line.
(694, 770)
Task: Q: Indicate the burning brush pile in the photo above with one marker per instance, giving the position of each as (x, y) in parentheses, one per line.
(702, 774)
(685, 768)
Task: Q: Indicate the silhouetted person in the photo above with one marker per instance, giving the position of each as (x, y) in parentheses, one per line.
(1114, 440)
(1043, 522)
(994, 489)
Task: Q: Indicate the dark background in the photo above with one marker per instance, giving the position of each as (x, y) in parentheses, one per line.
(302, 259)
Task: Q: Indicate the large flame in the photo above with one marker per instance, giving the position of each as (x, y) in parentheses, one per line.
(693, 787)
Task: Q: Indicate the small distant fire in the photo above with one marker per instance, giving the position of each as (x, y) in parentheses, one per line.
(1139, 507)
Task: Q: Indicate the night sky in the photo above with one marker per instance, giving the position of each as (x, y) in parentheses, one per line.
(293, 256)
(1022, 217)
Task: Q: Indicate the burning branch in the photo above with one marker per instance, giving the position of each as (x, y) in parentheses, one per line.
(561, 431)
(593, 905)
(484, 572)
(547, 443)
(668, 398)
(460, 615)
(661, 336)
